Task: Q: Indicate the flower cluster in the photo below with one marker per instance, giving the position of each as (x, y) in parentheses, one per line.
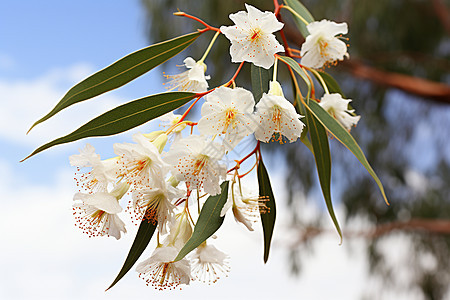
(169, 173)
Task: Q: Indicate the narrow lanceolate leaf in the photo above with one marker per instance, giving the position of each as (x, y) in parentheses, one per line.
(122, 71)
(341, 134)
(143, 237)
(296, 67)
(303, 12)
(332, 85)
(260, 81)
(124, 117)
(209, 221)
(321, 151)
(267, 215)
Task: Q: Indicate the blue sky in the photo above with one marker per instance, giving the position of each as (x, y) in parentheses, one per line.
(45, 48)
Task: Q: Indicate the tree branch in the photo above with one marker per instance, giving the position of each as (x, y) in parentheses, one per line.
(426, 226)
(413, 85)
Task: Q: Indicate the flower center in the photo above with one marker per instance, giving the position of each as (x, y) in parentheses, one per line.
(199, 163)
(97, 216)
(230, 114)
(323, 45)
(256, 34)
(276, 117)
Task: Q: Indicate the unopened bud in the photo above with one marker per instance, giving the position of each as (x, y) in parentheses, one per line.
(153, 135)
(160, 142)
(275, 89)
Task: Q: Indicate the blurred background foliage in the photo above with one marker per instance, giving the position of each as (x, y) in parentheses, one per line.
(398, 77)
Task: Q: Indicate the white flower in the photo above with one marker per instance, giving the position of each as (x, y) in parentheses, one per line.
(161, 272)
(245, 206)
(209, 263)
(336, 106)
(192, 80)
(102, 172)
(230, 112)
(97, 215)
(322, 47)
(195, 160)
(155, 205)
(251, 37)
(140, 164)
(277, 115)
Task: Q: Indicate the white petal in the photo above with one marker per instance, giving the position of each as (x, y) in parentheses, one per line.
(100, 200)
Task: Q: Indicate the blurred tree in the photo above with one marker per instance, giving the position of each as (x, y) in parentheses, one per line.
(398, 76)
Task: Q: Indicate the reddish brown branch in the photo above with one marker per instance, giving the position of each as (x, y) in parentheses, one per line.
(426, 226)
(414, 85)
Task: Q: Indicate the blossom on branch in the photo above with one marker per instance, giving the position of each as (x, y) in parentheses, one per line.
(252, 38)
(196, 161)
(277, 115)
(322, 47)
(162, 272)
(192, 80)
(140, 164)
(96, 214)
(336, 106)
(102, 171)
(229, 112)
(209, 264)
(155, 204)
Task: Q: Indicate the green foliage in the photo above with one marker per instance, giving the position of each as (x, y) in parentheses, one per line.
(143, 237)
(260, 81)
(321, 150)
(339, 132)
(124, 117)
(303, 12)
(123, 71)
(267, 215)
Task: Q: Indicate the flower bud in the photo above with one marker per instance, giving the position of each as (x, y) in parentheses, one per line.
(160, 142)
(275, 89)
(153, 135)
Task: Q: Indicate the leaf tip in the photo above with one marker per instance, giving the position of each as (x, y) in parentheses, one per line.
(32, 126)
(25, 158)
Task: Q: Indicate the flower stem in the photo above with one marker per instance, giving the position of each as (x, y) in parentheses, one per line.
(208, 27)
(275, 69)
(238, 163)
(209, 47)
(235, 75)
(295, 13)
(322, 82)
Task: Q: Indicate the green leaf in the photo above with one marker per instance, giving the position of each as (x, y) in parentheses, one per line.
(124, 117)
(208, 221)
(296, 67)
(267, 216)
(341, 134)
(122, 71)
(332, 85)
(303, 12)
(321, 151)
(143, 237)
(260, 81)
